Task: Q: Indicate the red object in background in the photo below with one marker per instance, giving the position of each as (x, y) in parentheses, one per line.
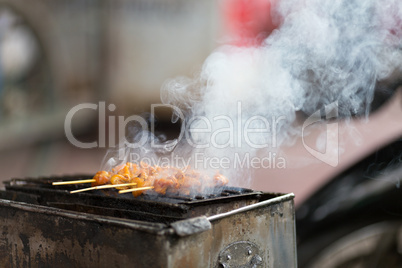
(392, 21)
(248, 22)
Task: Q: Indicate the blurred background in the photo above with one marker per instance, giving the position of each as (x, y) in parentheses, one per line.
(57, 54)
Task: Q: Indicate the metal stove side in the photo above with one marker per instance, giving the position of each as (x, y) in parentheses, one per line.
(258, 235)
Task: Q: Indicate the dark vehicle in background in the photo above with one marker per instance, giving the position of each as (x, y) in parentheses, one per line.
(355, 220)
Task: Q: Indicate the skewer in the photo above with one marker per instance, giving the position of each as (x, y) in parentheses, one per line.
(103, 187)
(73, 182)
(135, 189)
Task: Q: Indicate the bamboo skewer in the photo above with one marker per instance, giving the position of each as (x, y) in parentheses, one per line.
(73, 182)
(103, 187)
(135, 189)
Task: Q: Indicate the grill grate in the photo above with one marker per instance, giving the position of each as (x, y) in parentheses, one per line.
(147, 207)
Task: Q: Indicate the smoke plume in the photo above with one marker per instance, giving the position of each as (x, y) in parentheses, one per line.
(324, 51)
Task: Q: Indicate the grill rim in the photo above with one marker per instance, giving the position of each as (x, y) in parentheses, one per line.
(149, 227)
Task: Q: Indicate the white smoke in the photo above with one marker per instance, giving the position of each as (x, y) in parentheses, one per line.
(324, 51)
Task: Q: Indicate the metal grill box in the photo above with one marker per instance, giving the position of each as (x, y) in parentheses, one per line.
(42, 227)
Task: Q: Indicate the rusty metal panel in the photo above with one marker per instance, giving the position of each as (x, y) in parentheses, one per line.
(33, 236)
(263, 236)
(258, 235)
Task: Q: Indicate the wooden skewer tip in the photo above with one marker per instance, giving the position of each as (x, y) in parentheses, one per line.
(103, 187)
(73, 182)
(136, 189)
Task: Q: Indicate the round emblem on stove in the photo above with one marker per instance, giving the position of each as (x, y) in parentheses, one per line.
(242, 254)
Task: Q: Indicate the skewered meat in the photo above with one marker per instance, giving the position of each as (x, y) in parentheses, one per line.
(163, 179)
